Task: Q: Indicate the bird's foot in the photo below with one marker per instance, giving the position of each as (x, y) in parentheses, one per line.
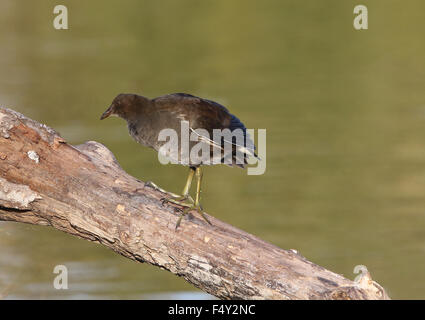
(196, 207)
(179, 200)
(153, 185)
(172, 197)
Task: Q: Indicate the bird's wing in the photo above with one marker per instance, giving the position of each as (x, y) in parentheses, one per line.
(206, 114)
(200, 113)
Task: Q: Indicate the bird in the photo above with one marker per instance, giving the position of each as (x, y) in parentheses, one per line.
(147, 118)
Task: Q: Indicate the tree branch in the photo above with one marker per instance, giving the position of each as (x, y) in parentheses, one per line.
(82, 191)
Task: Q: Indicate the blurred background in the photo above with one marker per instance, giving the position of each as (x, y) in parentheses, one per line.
(344, 112)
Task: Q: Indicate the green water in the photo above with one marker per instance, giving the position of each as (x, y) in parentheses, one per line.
(344, 112)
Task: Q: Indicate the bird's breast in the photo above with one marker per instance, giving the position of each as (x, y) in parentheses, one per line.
(141, 133)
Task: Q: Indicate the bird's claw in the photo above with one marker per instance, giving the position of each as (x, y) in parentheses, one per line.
(151, 184)
(198, 208)
(179, 200)
(185, 201)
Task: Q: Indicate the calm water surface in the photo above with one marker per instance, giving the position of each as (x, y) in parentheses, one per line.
(344, 112)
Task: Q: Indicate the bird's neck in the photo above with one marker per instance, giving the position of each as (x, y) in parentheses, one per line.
(140, 106)
(143, 100)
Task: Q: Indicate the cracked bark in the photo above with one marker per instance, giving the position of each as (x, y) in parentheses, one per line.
(81, 190)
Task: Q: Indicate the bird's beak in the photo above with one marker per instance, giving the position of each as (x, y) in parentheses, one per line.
(107, 113)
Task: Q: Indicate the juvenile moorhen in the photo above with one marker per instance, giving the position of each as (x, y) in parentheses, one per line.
(147, 117)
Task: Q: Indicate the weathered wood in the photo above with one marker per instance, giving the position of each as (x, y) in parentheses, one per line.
(82, 191)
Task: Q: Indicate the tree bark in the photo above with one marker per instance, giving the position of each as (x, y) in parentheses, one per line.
(83, 191)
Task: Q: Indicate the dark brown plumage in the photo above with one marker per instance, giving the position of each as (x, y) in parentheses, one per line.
(147, 117)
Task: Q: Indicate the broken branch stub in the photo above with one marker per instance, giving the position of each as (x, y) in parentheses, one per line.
(83, 191)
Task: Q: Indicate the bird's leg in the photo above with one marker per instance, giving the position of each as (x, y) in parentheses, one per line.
(197, 205)
(153, 185)
(185, 194)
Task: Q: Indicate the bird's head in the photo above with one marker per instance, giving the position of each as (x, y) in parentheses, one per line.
(124, 105)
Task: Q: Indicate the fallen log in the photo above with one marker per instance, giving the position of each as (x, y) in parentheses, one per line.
(82, 190)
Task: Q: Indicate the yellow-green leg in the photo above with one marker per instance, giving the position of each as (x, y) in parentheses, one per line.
(197, 205)
(185, 194)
